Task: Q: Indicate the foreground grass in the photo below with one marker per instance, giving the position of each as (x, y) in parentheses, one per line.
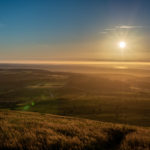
(33, 131)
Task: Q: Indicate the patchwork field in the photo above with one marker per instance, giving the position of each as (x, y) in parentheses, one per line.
(111, 95)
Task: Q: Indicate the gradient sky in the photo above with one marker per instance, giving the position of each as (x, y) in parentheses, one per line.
(74, 29)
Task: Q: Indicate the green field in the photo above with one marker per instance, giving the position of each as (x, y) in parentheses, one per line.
(111, 95)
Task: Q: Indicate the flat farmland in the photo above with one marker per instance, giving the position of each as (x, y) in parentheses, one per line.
(110, 95)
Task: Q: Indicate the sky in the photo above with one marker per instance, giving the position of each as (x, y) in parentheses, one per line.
(74, 30)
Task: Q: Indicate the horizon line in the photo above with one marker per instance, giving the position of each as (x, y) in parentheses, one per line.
(74, 62)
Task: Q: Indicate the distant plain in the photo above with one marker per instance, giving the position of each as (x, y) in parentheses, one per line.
(114, 92)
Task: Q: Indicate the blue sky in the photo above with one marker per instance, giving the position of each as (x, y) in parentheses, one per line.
(49, 29)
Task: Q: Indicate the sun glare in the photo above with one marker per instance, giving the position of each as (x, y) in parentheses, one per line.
(122, 44)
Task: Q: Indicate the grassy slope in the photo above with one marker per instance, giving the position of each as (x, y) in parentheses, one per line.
(26, 130)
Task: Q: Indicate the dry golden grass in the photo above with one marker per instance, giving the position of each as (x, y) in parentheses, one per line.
(34, 131)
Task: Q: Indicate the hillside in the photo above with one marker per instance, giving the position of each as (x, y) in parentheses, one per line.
(26, 130)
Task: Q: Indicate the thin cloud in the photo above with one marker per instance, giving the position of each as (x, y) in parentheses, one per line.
(103, 32)
(110, 29)
(128, 27)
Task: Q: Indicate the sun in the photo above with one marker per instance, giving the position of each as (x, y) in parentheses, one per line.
(122, 44)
